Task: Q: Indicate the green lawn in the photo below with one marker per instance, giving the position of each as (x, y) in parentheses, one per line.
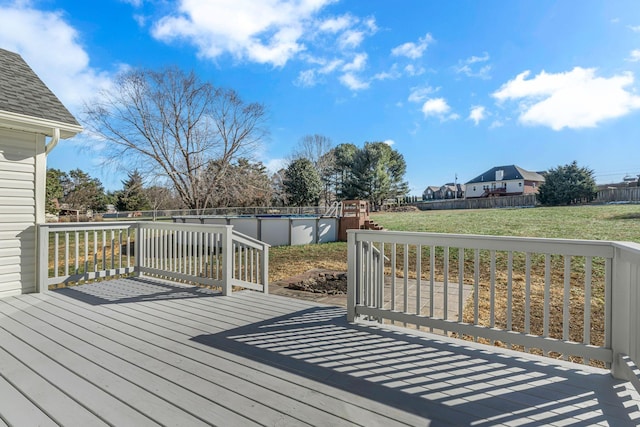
(606, 222)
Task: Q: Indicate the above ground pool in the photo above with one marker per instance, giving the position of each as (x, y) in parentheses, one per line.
(276, 230)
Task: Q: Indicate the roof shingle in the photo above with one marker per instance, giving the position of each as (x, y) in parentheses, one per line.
(22, 92)
(510, 172)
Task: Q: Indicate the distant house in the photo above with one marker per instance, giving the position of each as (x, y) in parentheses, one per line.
(448, 191)
(503, 181)
(431, 193)
(32, 120)
(452, 191)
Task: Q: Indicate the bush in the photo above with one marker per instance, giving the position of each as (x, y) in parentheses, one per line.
(567, 185)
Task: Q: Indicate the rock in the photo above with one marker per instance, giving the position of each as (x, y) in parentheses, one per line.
(327, 283)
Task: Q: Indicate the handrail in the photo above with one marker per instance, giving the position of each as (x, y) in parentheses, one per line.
(208, 254)
(541, 277)
(250, 263)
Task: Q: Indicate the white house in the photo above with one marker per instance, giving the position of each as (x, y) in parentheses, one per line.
(32, 120)
(508, 180)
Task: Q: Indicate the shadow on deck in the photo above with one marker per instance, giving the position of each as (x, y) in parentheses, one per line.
(135, 289)
(147, 352)
(446, 381)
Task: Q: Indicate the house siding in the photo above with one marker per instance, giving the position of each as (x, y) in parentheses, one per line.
(18, 215)
(514, 187)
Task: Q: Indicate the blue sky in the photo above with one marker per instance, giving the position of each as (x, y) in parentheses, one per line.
(457, 87)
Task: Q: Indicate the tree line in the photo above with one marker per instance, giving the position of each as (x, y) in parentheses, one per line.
(373, 172)
(192, 143)
(186, 143)
(322, 174)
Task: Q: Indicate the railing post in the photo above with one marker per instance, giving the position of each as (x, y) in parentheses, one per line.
(42, 258)
(227, 260)
(352, 268)
(624, 297)
(139, 249)
(264, 268)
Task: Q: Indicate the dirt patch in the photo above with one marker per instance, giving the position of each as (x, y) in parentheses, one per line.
(333, 283)
(320, 285)
(406, 208)
(317, 280)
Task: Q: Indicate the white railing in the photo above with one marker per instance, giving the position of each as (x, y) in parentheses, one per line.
(211, 255)
(228, 211)
(84, 252)
(575, 299)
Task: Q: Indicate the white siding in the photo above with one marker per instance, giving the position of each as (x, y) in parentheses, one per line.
(17, 212)
(476, 189)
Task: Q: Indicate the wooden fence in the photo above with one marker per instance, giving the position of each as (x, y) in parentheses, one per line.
(611, 195)
(527, 200)
(629, 194)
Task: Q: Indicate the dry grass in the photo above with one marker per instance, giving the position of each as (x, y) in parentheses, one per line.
(615, 222)
(287, 261)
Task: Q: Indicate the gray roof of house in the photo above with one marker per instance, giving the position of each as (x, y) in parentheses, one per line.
(510, 172)
(22, 92)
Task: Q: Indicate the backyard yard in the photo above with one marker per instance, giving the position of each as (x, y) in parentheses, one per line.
(605, 222)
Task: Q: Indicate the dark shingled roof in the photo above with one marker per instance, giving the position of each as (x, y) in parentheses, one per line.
(510, 172)
(22, 92)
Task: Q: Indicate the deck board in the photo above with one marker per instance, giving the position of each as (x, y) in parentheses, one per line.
(141, 352)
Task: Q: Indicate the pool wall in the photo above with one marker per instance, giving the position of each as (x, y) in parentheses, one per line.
(276, 230)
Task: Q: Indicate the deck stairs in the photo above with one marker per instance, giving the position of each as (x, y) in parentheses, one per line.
(370, 225)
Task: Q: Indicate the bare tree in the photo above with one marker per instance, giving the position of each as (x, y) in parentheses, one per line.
(162, 198)
(313, 148)
(170, 124)
(319, 150)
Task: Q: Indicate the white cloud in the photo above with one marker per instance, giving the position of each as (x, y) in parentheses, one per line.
(53, 49)
(466, 67)
(477, 114)
(389, 142)
(496, 124)
(574, 99)
(335, 25)
(438, 107)
(435, 106)
(635, 28)
(350, 39)
(413, 50)
(306, 78)
(353, 82)
(330, 49)
(473, 59)
(358, 63)
(392, 74)
(412, 70)
(267, 32)
(634, 55)
(311, 77)
(419, 94)
(330, 66)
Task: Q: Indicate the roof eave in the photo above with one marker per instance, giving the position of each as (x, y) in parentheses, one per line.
(38, 125)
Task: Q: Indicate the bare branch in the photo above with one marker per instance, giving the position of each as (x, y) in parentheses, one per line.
(170, 124)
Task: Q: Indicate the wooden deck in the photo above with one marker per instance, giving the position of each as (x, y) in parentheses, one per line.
(142, 352)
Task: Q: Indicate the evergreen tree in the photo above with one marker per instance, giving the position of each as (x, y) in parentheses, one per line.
(132, 197)
(82, 192)
(54, 191)
(302, 183)
(567, 185)
(374, 173)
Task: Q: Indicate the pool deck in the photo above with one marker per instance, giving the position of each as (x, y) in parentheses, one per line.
(146, 352)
